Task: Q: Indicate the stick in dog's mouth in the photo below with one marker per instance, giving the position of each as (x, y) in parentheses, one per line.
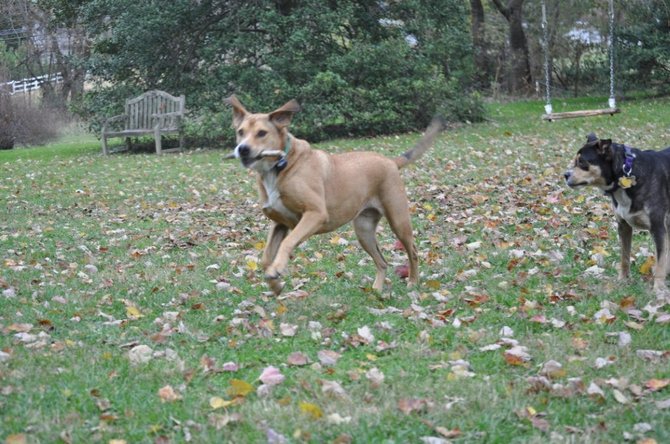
(268, 153)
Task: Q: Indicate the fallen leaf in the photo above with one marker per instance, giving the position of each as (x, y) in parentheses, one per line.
(271, 376)
(553, 370)
(449, 434)
(297, 359)
(239, 388)
(365, 333)
(333, 388)
(219, 421)
(657, 384)
(288, 329)
(595, 390)
(620, 397)
(16, 438)
(649, 355)
(328, 357)
(540, 423)
(647, 265)
(402, 271)
(375, 376)
(517, 355)
(312, 410)
(133, 312)
(410, 405)
(230, 367)
(140, 354)
(167, 394)
(665, 404)
(337, 419)
(217, 402)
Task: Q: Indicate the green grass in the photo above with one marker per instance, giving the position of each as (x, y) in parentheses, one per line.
(502, 242)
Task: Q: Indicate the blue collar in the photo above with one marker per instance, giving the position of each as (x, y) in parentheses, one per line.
(281, 163)
(629, 156)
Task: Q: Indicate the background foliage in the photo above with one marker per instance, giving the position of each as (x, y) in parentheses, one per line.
(351, 64)
(358, 67)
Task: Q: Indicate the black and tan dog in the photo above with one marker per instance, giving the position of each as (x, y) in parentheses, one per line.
(306, 191)
(638, 183)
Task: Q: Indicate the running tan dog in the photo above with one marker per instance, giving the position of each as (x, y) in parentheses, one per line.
(306, 192)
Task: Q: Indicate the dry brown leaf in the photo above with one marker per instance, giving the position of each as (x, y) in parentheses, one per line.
(168, 394)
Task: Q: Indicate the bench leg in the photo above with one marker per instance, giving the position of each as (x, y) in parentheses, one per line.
(105, 150)
(157, 136)
(129, 144)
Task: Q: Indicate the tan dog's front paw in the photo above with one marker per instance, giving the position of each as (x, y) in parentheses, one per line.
(276, 285)
(273, 278)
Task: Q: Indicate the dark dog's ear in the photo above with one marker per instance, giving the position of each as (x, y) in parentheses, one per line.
(239, 112)
(605, 148)
(282, 117)
(591, 138)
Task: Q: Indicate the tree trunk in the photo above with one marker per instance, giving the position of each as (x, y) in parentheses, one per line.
(478, 31)
(519, 77)
(578, 68)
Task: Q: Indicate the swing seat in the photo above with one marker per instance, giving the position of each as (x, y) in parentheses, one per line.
(583, 113)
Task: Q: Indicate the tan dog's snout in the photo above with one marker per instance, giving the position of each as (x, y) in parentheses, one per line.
(243, 152)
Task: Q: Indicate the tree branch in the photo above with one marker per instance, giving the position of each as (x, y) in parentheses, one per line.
(504, 10)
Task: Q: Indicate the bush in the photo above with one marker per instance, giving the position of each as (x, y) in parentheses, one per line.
(7, 133)
(21, 123)
(357, 68)
(373, 89)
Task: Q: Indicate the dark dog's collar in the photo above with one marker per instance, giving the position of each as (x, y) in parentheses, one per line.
(281, 163)
(628, 178)
(629, 157)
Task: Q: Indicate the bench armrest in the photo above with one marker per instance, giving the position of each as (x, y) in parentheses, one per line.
(107, 122)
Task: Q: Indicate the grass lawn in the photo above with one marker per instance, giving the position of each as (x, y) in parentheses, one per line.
(133, 309)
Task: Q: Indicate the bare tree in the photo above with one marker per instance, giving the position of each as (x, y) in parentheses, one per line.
(518, 77)
(55, 42)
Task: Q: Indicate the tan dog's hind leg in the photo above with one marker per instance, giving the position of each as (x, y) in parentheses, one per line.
(365, 226)
(309, 224)
(397, 213)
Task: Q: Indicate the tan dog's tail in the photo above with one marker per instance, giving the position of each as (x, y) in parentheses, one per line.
(437, 125)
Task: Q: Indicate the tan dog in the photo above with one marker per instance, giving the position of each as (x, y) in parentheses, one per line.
(305, 191)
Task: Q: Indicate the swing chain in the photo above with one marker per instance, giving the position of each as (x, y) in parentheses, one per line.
(610, 42)
(545, 45)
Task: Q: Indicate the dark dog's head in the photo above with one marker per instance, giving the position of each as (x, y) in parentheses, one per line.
(259, 134)
(592, 165)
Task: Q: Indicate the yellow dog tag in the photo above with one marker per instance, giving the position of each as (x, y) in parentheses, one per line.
(626, 182)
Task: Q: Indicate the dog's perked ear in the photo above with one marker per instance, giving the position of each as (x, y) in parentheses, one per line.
(605, 148)
(239, 112)
(591, 138)
(282, 117)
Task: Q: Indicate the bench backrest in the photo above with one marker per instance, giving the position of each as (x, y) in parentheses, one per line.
(140, 109)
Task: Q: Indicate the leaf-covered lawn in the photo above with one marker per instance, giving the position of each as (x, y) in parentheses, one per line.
(133, 308)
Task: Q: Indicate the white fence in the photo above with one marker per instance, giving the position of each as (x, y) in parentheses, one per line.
(32, 84)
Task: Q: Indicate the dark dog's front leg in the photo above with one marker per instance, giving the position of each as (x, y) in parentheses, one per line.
(660, 234)
(625, 240)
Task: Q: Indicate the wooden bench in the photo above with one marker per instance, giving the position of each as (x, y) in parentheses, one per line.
(152, 113)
